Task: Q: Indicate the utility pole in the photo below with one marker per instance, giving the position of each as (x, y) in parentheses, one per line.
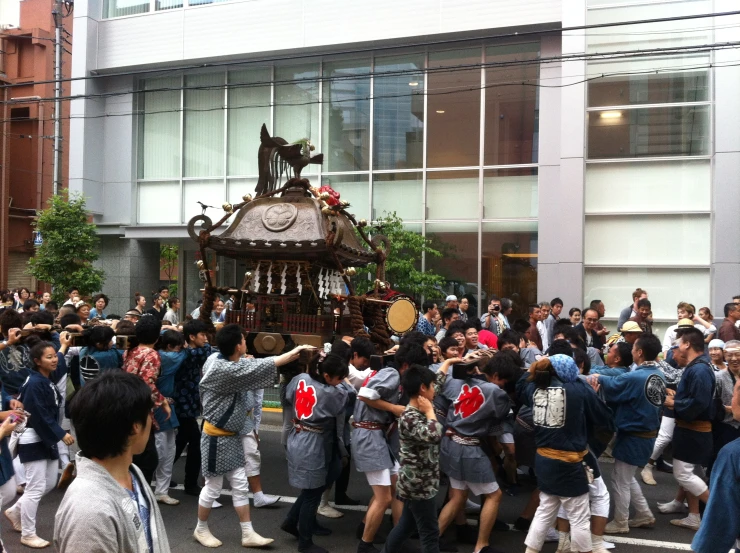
(57, 162)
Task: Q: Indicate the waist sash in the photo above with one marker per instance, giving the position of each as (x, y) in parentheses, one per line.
(211, 430)
(560, 455)
(462, 440)
(647, 434)
(300, 427)
(696, 426)
(369, 425)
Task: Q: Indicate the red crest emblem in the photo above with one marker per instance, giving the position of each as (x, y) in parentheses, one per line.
(305, 400)
(469, 401)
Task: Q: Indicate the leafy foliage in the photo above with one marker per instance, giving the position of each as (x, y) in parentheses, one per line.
(403, 265)
(70, 245)
(168, 254)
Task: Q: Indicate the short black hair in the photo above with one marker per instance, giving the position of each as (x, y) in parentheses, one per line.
(101, 334)
(228, 339)
(581, 358)
(163, 288)
(411, 354)
(103, 297)
(69, 319)
(729, 307)
(446, 343)
(573, 310)
(415, 377)
(693, 336)
(171, 338)
(10, 318)
(560, 346)
(147, 329)
(28, 304)
(594, 304)
(72, 289)
(427, 306)
(561, 325)
(342, 349)
(38, 349)
(193, 328)
(105, 410)
(532, 307)
(42, 318)
(332, 365)
(509, 337)
(644, 302)
(556, 301)
(173, 300)
(414, 337)
(52, 305)
(651, 346)
(457, 326)
(625, 352)
(448, 313)
(362, 347)
(502, 365)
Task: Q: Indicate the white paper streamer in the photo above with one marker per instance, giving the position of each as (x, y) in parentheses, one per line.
(320, 282)
(269, 279)
(256, 281)
(298, 277)
(282, 279)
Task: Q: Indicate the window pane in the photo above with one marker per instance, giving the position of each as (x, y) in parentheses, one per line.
(399, 112)
(510, 193)
(249, 108)
(209, 192)
(674, 185)
(648, 240)
(642, 132)
(119, 8)
(353, 188)
(347, 115)
(237, 188)
(689, 86)
(167, 4)
(297, 105)
(399, 192)
(509, 264)
(666, 287)
(511, 104)
(458, 243)
(204, 125)
(452, 195)
(453, 105)
(159, 143)
(159, 202)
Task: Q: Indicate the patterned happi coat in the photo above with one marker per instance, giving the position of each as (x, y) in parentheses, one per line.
(227, 404)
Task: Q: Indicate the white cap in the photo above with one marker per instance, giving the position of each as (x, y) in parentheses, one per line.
(451, 297)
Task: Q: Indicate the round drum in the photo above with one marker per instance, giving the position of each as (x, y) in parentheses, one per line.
(401, 316)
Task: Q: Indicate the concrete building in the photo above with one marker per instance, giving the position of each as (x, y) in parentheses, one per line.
(578, 148)
(26, 145)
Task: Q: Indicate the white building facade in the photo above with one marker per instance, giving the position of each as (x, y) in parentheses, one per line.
(572, 148)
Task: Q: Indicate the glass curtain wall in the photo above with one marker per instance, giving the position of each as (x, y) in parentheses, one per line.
(446, 140)
(648, 171)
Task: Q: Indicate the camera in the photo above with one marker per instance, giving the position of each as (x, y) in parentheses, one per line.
(496, 308)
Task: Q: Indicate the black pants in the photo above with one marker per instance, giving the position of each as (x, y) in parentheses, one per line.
(148, 460)
(303, 512)
(418, 514)
(189, 435)
(342, 483)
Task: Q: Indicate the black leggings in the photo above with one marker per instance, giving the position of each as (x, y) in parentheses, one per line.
(189, 435)
(303, 513)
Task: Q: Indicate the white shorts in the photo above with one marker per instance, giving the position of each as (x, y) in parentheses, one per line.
(252, 457)
(478, 488)
(506, 438)
(382, 477)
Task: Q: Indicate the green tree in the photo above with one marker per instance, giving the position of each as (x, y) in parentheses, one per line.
(403, 264)
(70, 245)
(168, 255)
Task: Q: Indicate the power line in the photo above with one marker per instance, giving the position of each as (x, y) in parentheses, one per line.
(377, 48)
(600, 56)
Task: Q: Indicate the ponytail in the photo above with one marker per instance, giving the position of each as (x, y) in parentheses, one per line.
(541, 372)
(331, 365)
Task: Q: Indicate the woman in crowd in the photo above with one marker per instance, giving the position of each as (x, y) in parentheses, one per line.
(83, 311)
(37, 446)
(716, 350)
(316, 400)
(139, 302)
(45, 298)
(706, 314)
(575, 315)
(100, 302)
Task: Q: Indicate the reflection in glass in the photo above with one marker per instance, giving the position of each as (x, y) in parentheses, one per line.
(119, 8)
(399, 112)
(159, 138)
(195, 191)
(249, 108)
(167, 4)
(453, 106)
(353, 188)
(452, 195)
(204, 125)
(511, 132)
(509, 264)
(458, 243)
(237, 188)
(661, 88)
(509, 193)
(399, 192)
(346, 104)
(297, 105)
(671, 131)
(159, 203)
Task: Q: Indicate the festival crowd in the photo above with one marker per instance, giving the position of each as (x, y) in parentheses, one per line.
(464, 405)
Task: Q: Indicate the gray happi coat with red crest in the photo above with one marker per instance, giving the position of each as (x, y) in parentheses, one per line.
(370, 448)
(318, 415)
(475, 407)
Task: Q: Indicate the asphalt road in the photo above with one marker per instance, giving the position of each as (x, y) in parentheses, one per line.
(180, 520)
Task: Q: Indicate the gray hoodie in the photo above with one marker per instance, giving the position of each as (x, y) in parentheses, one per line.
(98, 516)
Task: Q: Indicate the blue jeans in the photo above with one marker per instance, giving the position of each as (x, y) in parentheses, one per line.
(303, 513)
(418, 514)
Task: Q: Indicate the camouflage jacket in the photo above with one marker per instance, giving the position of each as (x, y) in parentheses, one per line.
(420, 438)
